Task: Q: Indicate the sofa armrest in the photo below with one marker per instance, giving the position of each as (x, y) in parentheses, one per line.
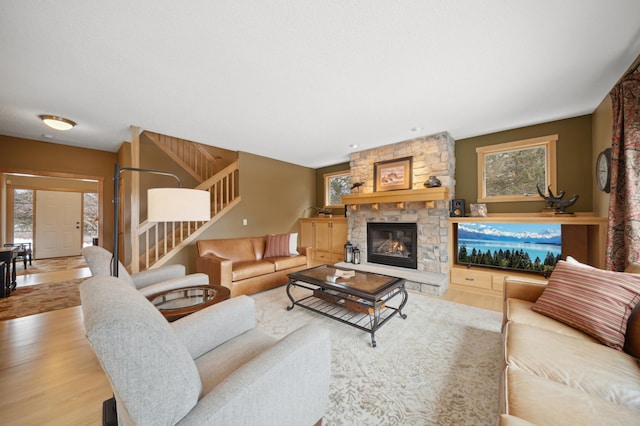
(286, 384)
(152, 276)
(523, 288)
(306, 251)
(210, 327)
(303, 250)
(185, 281)
(217, 268)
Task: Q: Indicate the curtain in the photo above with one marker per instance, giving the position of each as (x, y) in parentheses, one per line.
(623, 236)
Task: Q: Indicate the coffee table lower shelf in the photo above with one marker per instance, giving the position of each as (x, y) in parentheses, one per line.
(366, 317)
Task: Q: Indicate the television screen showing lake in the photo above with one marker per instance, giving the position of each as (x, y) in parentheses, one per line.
(520, 246)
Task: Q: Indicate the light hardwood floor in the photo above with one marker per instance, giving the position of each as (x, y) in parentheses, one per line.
(49, 374)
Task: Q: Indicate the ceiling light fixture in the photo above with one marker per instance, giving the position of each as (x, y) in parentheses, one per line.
(353, 145)
(58, 123)
(416, 129)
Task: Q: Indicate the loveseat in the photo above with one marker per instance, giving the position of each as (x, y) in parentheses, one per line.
(571, 348)
(251, 264)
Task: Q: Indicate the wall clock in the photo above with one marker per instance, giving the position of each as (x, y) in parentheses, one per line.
(603, 170)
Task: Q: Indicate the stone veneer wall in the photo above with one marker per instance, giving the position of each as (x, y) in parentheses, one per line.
(432, 156)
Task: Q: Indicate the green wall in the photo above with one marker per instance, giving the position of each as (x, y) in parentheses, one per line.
(275, 194)
(574, 164)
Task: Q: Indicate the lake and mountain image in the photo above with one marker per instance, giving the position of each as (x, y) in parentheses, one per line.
(520, 246)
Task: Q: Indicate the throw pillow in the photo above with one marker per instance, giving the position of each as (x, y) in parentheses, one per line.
(592, 300)
(293, 244)
(280, 245)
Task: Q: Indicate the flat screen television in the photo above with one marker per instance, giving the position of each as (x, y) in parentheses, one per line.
(527, 247)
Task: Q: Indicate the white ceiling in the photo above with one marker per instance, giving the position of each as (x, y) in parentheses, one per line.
(302, 80)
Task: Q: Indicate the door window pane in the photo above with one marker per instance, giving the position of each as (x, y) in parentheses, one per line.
(22, 216)
(90, 228)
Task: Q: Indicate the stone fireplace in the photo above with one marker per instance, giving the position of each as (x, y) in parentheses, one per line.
(392, 244)
(431, 156)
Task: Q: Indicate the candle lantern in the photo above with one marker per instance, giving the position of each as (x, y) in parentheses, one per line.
(356, 255)
(348, 252)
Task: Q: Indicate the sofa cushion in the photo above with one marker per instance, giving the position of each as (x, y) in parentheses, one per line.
(234, 249)
(215, 365)
(544, 402)
(519, 311)
(288, 262)
(244, 270)
(592, 300)
(592, 368)
(281, 245)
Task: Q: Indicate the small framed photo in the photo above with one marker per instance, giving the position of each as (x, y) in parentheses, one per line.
(392, 175)
(479, 210)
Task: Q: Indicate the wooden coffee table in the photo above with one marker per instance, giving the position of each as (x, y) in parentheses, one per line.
(177, 303)
(361, 299)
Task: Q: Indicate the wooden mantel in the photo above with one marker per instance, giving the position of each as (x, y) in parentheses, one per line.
(428, 195)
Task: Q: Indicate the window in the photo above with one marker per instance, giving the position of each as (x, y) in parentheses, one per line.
(335, 186)
(90, 211)
(22, 215)
(512, 171)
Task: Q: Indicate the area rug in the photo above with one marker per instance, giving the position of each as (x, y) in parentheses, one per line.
(440, 366)
(35, 299)
(39, 266)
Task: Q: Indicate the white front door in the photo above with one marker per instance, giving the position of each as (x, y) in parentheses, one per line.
(58, 224)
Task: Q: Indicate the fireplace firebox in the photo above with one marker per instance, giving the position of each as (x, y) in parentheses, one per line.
(393, 244)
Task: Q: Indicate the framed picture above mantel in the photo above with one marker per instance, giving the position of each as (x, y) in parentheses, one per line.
(393, 174)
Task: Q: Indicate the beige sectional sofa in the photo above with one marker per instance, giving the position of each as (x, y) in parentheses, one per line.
(556, 374)
(251, 264)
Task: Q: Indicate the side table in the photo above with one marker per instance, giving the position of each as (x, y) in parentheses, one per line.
(179, 302)
(8, 255)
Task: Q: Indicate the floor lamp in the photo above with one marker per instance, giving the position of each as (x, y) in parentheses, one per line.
(163, 205)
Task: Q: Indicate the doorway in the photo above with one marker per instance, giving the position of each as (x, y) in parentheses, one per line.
(57, 214)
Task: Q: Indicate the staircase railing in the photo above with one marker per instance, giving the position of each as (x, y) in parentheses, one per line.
(160, 241)
(191, 156)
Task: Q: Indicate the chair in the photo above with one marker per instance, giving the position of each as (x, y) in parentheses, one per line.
(147, 282)
(211, 367)
(24, 252)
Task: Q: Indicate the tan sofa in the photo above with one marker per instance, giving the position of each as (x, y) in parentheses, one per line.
(240, 265)
(556, 374)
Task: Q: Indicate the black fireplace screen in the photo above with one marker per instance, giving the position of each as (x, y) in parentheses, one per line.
(392, 243)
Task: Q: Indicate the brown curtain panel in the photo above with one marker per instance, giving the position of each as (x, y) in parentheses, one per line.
(623, 238)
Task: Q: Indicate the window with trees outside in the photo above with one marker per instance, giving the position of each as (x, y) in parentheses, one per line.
(22, 215)
(512, 171)
(335, 186)
(90, 213)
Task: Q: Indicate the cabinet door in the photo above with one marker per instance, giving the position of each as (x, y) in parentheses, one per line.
(338, 236)
(323, 236)
(306, 233)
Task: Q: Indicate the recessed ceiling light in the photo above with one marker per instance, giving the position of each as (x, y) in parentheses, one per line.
(353, 145)
(416, 129)
(47, 136)
(58, 123)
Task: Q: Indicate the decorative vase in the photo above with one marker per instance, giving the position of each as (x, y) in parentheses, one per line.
(432, 182)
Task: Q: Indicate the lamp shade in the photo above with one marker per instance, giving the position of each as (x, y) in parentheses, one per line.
(178, 205)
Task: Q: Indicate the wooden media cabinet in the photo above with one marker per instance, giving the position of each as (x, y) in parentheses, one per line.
(583, 238)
